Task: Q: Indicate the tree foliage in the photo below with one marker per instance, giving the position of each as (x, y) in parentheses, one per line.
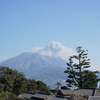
(77, 73)
(12, 80)
(32, 86)
(15, 82)
(42, 87)
(58, 84)
(65, 88)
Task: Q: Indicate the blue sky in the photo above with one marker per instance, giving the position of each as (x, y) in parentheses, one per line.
(25, 24)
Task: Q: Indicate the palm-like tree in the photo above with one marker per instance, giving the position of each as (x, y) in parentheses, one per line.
(58, 84)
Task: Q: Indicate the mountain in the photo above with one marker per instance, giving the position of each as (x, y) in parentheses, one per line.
(54, 49)
(39, 67)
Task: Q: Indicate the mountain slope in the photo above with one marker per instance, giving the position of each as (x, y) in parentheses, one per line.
(37, 66)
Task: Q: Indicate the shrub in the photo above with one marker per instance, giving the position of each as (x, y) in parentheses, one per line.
(65, 88)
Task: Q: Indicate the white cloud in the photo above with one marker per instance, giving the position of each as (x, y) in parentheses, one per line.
(55, 49)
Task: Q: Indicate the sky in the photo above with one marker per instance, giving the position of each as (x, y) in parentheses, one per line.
(26, 24)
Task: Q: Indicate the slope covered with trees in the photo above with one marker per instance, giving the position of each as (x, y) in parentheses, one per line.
(13, 83)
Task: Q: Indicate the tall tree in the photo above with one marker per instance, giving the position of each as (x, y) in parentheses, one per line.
(77, 73)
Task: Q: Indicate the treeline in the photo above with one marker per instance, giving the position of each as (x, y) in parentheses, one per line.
(14, 83)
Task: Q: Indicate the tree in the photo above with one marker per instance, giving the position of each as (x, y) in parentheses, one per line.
(12, 80)
(6, 79)
(42, 87)
(32, 86)
(90, 79)
(20, 82)
(77, 75)
(58, 84)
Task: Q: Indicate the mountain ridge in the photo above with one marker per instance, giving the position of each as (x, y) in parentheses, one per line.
(37, 66)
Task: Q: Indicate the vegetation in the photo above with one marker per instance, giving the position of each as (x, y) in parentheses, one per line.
(13, 83)
(77, 75)
(65, 88)
(58, 84)
(8, 96)
(42, 87)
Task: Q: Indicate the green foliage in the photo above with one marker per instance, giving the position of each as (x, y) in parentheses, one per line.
(65, 88)
(49, 87)
(12, 96)
(90, 79)
(32, 86)
(3, 95)
(58, 84)
(42, 87)
(6, 79)
(15, 83)
(8, 96)
(56, 91)
(77, 75)
(19, 85)
(12, 80)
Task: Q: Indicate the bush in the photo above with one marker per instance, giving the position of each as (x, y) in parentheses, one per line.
(65, 88)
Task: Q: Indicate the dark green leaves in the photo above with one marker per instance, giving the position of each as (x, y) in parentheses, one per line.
(15, 82)
(77, 75)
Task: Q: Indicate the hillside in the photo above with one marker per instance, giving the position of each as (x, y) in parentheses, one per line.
(36, 66)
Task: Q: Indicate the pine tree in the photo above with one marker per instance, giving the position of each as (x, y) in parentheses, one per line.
(77, 73)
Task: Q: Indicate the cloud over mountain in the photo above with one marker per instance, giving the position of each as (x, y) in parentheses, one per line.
(54, 49)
